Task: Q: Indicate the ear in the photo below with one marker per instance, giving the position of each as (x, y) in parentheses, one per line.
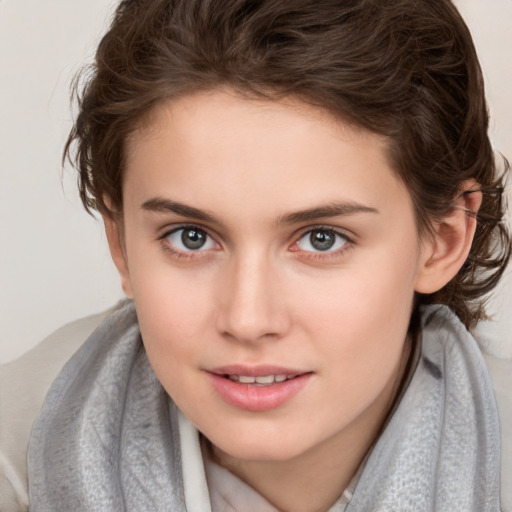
(444, 253)
(117, 251)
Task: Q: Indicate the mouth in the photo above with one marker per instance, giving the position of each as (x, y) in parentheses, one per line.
(259, 388)
(263, 380)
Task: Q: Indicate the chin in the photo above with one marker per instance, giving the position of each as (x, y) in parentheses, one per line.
(270, 449)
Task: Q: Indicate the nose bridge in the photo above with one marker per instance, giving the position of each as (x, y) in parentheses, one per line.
(251, 308)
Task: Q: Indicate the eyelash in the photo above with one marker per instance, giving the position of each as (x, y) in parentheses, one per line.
(324, 255)
(183, 255)
(309, 255)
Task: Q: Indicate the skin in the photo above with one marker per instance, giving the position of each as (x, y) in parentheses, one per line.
(258, 291)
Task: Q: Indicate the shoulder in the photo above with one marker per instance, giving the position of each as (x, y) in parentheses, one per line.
(501, 375)
(493, 340)
(24, 384)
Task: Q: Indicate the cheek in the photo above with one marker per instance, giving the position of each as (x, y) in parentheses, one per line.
(360, 317)
(174, 309)
(374, 294)
(171, 332)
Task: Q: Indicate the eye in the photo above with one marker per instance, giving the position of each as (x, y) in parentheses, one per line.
(190, 238)
(322, 240)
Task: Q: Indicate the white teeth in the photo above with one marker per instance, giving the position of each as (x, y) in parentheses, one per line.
(245, 379)
(268, 379)
(262, 380)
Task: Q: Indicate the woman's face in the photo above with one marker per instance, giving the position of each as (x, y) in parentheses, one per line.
(273, 256)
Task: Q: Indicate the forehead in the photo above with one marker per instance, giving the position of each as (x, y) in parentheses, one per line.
(225, 112)
(286, 154)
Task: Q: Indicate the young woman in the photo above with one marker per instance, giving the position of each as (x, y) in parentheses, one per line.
(303, 205)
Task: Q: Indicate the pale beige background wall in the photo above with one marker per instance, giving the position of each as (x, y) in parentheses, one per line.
(54, 265)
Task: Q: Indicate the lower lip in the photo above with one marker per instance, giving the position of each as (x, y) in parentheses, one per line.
(258, 398)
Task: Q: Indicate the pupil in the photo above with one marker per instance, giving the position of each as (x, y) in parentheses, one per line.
(193, 238)
(322, 240)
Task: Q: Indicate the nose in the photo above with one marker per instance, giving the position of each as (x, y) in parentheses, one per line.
(252, 301)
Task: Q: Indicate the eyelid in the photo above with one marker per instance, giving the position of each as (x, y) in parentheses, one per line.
(322, 255)
(296, 237)
(176, 251)
(168, 230)
(339, 231)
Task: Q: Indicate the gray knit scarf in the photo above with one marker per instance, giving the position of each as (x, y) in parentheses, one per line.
(107, 438)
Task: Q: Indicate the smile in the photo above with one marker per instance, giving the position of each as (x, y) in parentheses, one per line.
(264, 380)
(258, 389)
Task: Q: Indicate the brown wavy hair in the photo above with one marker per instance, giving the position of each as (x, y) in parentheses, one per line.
(404, 69)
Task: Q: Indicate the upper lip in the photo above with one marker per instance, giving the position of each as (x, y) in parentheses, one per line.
(256, 370)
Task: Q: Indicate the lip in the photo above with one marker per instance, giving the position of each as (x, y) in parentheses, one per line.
(256, 371)
(257, 398)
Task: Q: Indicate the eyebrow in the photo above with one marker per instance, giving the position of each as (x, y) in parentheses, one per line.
(330, 210)
(163, 205)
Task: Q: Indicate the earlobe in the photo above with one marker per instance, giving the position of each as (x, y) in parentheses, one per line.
(444, 253)
(117, 251)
